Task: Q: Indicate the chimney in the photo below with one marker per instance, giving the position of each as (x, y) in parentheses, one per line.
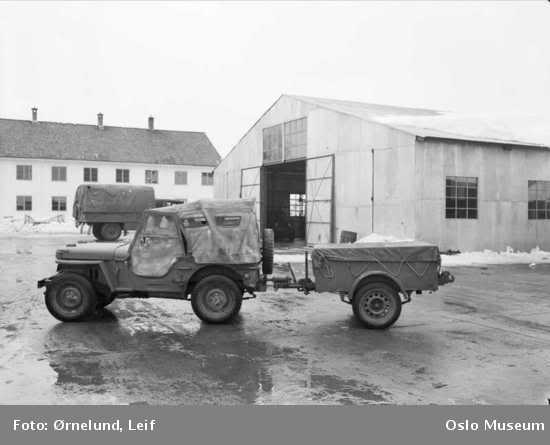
(100, 121)
(34, 114)
(151, 123)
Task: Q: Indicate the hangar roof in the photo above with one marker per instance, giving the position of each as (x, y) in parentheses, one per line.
(489, 128)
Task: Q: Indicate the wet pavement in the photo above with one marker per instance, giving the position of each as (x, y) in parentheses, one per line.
(483, 339)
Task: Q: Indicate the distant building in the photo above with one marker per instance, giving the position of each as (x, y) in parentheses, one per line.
(42, 163)
(327, 165)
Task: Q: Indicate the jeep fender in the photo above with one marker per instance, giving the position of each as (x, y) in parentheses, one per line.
(373, 276)
(85, 264)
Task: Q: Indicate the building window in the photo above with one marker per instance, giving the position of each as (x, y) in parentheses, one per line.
(207, 178)
(273, 143)
(122, 175)
(180, 178)
(461, 197)
(151, 176)
(90, 174)
(538, 200)
(24, 203)
(59, 203)
(296, 139)
(59, 173)
(297, 204)
(24, 172)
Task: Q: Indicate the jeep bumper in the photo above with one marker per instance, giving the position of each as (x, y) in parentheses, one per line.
(45, 282)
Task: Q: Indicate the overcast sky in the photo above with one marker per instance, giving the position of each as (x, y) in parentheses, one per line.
(217, 67)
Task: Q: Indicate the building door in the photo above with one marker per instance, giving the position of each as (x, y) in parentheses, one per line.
(251, 180)
(320, 200)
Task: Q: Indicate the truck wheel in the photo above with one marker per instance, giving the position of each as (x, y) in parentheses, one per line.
(96, 230)
(268, 251)
(377, 305)
(71, 297)
(216, 299)
(110, 231)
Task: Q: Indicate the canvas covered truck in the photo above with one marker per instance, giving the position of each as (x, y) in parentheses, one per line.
(211, 253)
(111, 209)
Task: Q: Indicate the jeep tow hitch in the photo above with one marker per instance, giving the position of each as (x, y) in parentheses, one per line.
(305, 285)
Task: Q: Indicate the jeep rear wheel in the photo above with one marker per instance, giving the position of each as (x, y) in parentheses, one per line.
(377, 305)
(70, 297)
(216, 299)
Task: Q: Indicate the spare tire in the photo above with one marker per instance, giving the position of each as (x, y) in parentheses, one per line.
(268, 251)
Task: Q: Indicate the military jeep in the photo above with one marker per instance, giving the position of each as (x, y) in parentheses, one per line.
(206, 251)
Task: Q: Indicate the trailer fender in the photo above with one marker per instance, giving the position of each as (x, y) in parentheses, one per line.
(378, 276)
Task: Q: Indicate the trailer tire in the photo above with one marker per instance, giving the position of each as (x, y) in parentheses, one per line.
(70, 297)
(216, 299)
(268, 251)
(376, 305)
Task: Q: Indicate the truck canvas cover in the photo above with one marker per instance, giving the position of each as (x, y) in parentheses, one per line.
(112, 199)
(219, 232)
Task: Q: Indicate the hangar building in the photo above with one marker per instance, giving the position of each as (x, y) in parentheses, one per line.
(322, 166)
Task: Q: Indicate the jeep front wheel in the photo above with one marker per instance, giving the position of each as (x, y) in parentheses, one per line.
(70, 297)
(216, 299)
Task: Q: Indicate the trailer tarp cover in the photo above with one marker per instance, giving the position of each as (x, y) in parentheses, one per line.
(219, 231)
(393, 258)
(405, 251)
(112, 199)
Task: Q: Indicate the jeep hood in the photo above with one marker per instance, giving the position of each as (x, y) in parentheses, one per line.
(94, 251)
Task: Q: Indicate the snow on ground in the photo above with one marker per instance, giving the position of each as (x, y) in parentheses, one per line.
(509, 256)
(10, 226)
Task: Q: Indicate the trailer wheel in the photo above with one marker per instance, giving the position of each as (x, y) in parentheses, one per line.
(70, 297)
(110, 231)
(268, 251)
(377, 305)
(216, 299)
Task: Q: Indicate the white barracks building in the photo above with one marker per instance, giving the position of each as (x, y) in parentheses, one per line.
(42, 163)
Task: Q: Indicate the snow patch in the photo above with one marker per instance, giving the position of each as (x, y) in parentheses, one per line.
(46, 226)
(509, 256)
(378, 238)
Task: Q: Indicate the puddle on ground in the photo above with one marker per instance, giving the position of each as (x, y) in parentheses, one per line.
(156, 364)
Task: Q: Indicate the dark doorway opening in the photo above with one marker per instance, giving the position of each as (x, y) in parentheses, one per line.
(285, 199)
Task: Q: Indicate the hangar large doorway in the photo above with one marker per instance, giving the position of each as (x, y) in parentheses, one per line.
(295, 198)
(285, 200)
